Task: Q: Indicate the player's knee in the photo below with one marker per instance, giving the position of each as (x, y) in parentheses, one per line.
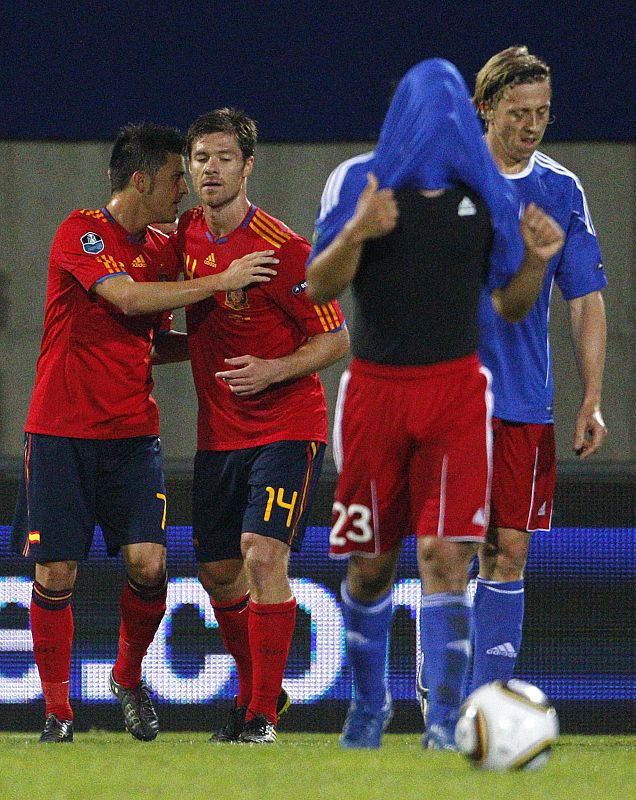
(56, 575)
(217, 577)
(368, 586)
(149, 571)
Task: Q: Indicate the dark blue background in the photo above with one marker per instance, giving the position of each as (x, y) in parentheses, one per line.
(312, 71)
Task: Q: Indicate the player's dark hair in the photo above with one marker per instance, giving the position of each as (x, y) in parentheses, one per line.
(143, 147)
(224, 120)
(510, 67)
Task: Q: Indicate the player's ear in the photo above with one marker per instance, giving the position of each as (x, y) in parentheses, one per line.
(485, 110)
(248, 166)
(141, 181)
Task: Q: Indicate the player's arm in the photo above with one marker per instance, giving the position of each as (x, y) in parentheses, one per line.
(134, 297)
(543, 238)
(333, 269)
(589, 336)
(249, 375)
(169, 347)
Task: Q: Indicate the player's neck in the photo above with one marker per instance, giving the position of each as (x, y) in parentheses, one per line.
(128, 215)
(506, 163)
(223, 219)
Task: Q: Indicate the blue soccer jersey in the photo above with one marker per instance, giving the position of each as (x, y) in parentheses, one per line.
(430, 139)
(518, 355)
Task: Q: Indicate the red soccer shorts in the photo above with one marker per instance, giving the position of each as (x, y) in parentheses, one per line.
(524, 475)
(415, 448)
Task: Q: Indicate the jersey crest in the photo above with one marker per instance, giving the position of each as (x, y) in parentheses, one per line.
(237, 299)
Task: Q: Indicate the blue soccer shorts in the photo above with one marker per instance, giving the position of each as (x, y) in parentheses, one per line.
(67, 485)
(266, 490)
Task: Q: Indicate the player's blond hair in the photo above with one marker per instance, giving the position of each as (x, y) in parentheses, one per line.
(510, 67)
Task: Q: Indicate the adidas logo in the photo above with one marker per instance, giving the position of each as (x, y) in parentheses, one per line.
(466, 208)
(139, 262)
(479, 517)
(210, 260)
(506, 650)
(542, 510)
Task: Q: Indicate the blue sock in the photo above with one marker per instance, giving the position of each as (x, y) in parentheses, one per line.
(445, 630)
(498, 621)
(367, 641)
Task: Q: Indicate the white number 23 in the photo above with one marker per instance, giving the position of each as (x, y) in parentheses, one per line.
(359, 529)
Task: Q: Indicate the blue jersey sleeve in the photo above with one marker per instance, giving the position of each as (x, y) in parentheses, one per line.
(580, 267)
(338, 201)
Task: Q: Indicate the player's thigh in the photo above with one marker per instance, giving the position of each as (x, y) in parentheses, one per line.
(131, 495)
(219, 499)
(524, 475)
(55, 511)
(283, 479)
(449, 476)
(370, 512)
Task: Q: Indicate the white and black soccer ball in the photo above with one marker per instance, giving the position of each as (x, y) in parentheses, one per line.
(507, 725)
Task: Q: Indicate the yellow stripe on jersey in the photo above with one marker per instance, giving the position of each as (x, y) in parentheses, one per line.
(274, 229)
(93, 213)
(332, 314)
(111, 265)
(328, 317)
(267, 231)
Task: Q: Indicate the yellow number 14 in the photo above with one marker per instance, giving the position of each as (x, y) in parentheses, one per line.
(280, 501)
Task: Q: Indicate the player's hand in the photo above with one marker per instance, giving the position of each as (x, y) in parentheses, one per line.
(543, 236)
(589, 432)
(376, 211)
(252, 268)
(250, 375)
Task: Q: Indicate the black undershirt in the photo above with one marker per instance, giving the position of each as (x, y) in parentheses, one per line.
(416, 292)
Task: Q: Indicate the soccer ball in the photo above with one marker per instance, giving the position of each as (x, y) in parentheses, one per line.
(507, 725)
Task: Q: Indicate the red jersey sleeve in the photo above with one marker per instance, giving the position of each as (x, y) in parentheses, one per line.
(289, 288)
(85, 248)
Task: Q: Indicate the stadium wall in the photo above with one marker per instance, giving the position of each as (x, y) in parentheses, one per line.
(43, 181)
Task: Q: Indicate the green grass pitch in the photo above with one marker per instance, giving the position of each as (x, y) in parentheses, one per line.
(184, 766)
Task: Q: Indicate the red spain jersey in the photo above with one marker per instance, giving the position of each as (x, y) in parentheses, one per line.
(94, 376)
(266, 320)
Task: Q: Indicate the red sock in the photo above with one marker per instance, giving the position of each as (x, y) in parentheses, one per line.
(52, 632)
(271, 628)
(232, 618)
(142, 609)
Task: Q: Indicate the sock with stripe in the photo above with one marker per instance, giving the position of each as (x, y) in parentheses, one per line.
(142, 609)
(52, 627)
(445, 621)
(271, 629)
(367, 627)
(232, 618)
(498, 618)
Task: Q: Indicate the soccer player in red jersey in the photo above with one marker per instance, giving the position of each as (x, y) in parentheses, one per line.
(262, 423)
(92, 450)
(413, 432)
